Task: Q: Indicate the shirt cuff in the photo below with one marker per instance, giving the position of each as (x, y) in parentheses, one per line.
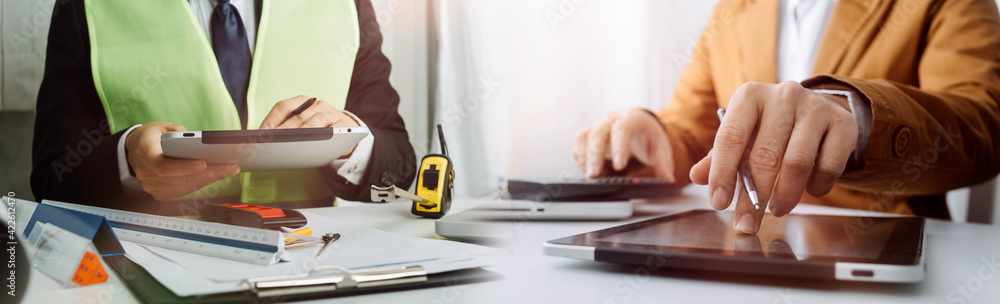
(130, 184)
(353, 168)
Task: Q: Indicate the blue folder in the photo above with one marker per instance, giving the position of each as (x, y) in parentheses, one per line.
(93, 227)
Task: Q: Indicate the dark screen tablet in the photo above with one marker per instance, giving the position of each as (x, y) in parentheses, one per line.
(887, 249)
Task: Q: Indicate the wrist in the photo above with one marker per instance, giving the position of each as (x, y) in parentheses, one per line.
(860, 110)
(130, 137)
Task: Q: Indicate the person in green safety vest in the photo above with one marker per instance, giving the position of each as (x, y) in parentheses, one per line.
(120, 73)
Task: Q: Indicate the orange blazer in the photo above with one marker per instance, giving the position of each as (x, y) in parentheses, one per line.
(931, 69)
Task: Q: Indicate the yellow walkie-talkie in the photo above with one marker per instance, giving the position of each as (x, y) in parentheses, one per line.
(435, 183)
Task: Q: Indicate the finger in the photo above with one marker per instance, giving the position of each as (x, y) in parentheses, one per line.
(164, 166)
(780, 249)
(768, 151)
(299, 121)
(200, 179)
(664, 163)
(345, 121)
(330, 119)
(597, 143)
(836, 149)
(281, 110)
(176, 186)
(580, 149)
(152, 161)
(699, 172)
(621, 139)
(796, 166)
(746, 219)
(164, 126)
(734, 134)
(321, 120)
(652, 148)
(747, 245)
(170, 127)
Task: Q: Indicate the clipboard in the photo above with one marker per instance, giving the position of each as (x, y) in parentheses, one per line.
(148, 290)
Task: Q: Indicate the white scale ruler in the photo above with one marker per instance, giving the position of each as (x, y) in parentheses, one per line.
(244, 244)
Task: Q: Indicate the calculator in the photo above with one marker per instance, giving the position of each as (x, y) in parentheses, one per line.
(591, 189)
(255, 216)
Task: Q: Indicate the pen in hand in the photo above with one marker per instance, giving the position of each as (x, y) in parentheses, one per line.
(299, 110)
(743, 171)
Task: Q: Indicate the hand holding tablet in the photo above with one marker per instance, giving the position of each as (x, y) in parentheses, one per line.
(163, 177)
(298, 133)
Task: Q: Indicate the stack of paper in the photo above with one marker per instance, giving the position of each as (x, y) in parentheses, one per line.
(359, 247)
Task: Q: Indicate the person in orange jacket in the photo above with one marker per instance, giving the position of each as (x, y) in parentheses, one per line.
(874, 105)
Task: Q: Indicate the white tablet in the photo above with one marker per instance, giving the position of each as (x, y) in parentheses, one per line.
(264, 150)
(494, 221)
(880, 249)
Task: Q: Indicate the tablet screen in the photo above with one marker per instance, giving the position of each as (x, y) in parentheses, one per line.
(798, 237)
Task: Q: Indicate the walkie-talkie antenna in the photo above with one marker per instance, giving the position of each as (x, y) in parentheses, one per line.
(444, 145)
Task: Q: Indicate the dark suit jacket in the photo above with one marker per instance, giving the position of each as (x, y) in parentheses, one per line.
(74, 154)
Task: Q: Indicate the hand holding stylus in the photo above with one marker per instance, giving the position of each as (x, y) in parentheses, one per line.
(798, 141)
(306, 112)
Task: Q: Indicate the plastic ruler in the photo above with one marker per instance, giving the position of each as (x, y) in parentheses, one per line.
(244, 244)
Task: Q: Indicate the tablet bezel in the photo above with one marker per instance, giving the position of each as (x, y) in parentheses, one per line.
(266, 136)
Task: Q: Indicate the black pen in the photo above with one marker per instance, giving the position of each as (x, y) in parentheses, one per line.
(299, 110)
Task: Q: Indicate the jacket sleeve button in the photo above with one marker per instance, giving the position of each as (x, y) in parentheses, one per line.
(901, 143)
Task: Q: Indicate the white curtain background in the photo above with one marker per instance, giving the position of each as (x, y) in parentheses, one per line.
(24, 26)
(518, 79)
(405, 42)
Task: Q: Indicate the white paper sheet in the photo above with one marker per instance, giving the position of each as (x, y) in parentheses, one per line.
(359, 247)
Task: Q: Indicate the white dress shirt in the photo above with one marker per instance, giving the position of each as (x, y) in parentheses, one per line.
(203, 9)
(352, 168)
(802, 23)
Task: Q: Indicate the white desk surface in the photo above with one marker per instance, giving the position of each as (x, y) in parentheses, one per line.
(958, 258)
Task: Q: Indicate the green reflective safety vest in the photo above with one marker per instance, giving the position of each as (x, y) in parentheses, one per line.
(152, 62)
